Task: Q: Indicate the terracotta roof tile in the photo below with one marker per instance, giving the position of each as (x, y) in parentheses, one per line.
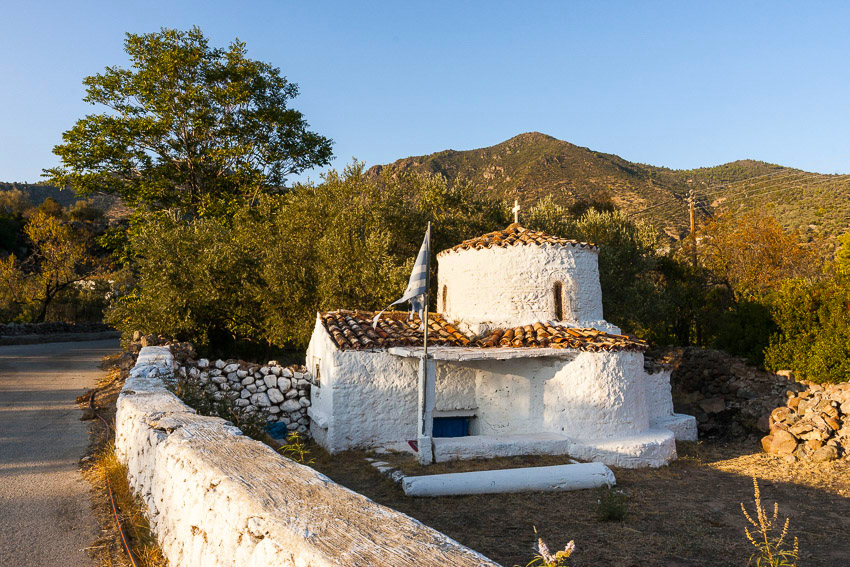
(516, 235)
(352, 330)
(547, 335)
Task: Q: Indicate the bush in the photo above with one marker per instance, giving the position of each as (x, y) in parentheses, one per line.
(612, 504)
(258, 278)
(814, 323)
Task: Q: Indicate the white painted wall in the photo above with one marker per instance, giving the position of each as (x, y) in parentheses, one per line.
(368, 399)
(511, 286)
(216, 498)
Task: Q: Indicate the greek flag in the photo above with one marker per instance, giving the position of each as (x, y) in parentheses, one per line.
(418, 284)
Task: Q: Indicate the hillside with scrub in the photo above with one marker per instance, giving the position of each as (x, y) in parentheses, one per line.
(531, 166)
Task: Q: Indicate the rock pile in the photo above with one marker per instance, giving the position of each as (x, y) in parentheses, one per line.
(729, 398)
(280, 393)
(812, 424)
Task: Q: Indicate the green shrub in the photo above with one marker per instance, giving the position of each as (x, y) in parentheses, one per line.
(612, 504)
(259, 277)
(814, 323)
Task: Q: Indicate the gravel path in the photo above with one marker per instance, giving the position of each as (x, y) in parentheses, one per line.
(45, 510)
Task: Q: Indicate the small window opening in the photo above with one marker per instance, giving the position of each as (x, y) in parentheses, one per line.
(317, 377)
(445, 295)
(559, 301)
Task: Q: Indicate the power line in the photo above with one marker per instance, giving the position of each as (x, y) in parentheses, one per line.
(794, 176)
(749, 191)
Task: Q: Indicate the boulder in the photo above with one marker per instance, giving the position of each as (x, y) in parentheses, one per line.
(290, 406)
(270, 380)
(233, 367)
(825, 453)
(713, 405)
(783, 443)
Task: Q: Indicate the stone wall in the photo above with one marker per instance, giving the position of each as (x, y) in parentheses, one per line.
(281, 394)
(729, 398)
(215, 497)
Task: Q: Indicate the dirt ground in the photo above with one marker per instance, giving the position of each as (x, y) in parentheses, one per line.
(685, 514)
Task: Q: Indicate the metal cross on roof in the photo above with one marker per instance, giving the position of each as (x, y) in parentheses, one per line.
(516, 211)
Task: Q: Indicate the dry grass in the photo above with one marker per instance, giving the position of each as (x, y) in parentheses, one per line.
(685, 514)
(101, 464)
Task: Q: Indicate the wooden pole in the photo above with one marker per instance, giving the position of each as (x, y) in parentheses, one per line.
(691, 201)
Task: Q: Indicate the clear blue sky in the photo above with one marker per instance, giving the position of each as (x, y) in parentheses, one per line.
(678, 84)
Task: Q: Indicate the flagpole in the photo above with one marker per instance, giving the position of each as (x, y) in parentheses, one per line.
(426, 381)
(427, 292)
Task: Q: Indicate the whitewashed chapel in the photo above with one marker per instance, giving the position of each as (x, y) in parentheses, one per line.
(523, 363)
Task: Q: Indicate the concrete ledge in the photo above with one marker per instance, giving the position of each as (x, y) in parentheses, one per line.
(489, 446)
(684, 427)
(651, 448)
(216, 498)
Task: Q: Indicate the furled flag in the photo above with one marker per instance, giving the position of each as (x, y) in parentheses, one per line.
(418, 284)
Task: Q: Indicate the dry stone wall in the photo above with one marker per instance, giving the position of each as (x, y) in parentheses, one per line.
(281, 394)
(729, 398)
(217, 498)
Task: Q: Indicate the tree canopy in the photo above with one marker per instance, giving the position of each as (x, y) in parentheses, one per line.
(189, 127)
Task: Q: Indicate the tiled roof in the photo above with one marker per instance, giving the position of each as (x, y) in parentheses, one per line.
(352, 330)
(515, 235)
(548, 335)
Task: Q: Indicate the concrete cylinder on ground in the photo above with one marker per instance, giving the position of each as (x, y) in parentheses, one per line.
(533, 479)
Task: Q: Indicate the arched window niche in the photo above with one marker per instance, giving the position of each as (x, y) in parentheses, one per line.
(445, 297)
(558, 296)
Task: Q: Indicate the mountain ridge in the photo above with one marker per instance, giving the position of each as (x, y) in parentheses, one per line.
(532, 165)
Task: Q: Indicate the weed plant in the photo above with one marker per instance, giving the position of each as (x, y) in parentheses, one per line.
(771, 550)
(612, 505)
(296, 449)
(545, 558)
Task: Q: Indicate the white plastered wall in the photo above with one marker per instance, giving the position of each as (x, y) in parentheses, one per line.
(512, 286)
(364, 399)
(368, 398)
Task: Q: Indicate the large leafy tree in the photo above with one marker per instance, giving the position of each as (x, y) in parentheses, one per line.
(188, 126)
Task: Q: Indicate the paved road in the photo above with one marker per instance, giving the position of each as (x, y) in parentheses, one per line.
(45, 510)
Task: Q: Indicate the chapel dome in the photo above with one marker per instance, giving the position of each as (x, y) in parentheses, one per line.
(515, 235)
(517, 276)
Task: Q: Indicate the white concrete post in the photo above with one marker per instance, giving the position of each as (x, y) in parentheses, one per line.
(425, 418)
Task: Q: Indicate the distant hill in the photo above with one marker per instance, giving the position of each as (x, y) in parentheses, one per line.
(532, 165)
(38, 193)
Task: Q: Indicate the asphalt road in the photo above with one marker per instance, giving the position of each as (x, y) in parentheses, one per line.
(45, 510)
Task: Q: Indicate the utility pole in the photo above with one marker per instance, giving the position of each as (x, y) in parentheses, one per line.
(693, 235)
(691, 201)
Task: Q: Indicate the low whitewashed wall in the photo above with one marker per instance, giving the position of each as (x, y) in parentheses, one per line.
(216, 498)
